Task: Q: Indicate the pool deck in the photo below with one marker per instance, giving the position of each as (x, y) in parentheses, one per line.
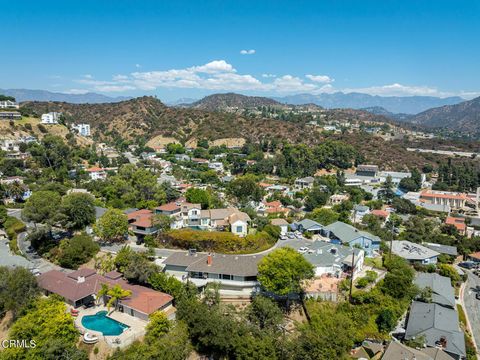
(135, 331)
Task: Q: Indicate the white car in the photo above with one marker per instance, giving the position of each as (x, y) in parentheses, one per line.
(36, 272)
(303, 250)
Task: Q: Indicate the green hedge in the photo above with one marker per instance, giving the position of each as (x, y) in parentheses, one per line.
(13, 227)
(217, 241)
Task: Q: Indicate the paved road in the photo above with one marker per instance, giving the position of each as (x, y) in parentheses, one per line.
(472, 305)
(38, 262)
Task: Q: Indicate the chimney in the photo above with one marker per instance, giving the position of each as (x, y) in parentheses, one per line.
(80, 279)
(209, 259)
(443, 342)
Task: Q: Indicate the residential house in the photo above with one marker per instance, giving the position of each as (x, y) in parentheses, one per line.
(96, 173)
(441, 287)
(453, 200)
(236, 274)
(396, 176)
(8, 104)
(439, 326)
(9, 145)
(458, 223)
(273, 207)
(442, 249)
(174, 210)
(51, 118)
(82, 129)
(308, 225)
(336, 199)
(345, 234)
(304, 183)
(398, 351)
(381, 214)
(414, 253)
(282, 224)
(82, 286)
(366, 170)
(220, 219)
(141, 223)
(359, 211)
(10, 115)
(330, 259)
(217, 166)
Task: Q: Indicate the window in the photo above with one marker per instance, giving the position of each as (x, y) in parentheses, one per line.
(239, 229)
(227, 277)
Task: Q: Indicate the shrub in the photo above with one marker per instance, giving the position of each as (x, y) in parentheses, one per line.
(217, 241)
(76, 251)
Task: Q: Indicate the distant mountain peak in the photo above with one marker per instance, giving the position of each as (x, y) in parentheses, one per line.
(22, 95)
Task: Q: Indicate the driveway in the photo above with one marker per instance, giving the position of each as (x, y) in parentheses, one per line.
(472, 305)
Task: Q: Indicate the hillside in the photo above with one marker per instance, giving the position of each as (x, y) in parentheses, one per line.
(393, 104)
(148, 117)
(218, 102)
(42, 95)
(463, 117)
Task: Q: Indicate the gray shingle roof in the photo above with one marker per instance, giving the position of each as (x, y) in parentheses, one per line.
(435, 322)
(238, 265)
(442, 290)
(347, 233)
(412, 251)
(442, 249)
(307, 224)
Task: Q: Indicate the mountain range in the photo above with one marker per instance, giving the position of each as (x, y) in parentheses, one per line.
(393, 104)
(22, 95)
(463, 117)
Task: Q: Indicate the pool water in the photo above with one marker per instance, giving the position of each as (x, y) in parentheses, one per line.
(102, 323)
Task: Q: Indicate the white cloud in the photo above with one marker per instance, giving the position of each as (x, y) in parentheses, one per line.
(324, 79)
(269, 75)
(88, 76)
(76, 91)
(138, 66)
(213, 67)
(289, 83)
(114, 88)
(247, 52)
(399, 90)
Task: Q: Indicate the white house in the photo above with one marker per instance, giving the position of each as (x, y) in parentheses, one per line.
(304, 183)
(217, 166)
(8, 104)
(51, 118)
(97, 173)
(282, 224)
(9, 145)
(414, 253)
(82, 129)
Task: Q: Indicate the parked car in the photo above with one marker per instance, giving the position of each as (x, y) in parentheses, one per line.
(291, 235)
(467, 264)
(36, 272)
(303, 250)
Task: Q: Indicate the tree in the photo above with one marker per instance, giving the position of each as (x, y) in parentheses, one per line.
(42, 207)
(18, 287)
(386, 320)
(283, 270)
(16, 190)
(324, 216)
(78, 210)
(404, 206)
(46, 321)
(264, 313)
(316, 198)
(158, 326)
(76, 251)
(112, 226)
(449, 271)
(245, 188)
(162, 222)
(117, 293)
(198, 196)
(386, 191)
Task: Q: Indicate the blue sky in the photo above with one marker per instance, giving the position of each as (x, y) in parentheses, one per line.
(192, 48)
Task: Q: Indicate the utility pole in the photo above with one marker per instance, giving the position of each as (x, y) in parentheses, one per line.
(391, 241)
(351, 276)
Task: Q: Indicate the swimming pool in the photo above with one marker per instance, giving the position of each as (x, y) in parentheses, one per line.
(102, 323)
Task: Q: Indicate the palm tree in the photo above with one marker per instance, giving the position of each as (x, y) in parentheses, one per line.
(102, 292)
(16, 190)
(116, 294)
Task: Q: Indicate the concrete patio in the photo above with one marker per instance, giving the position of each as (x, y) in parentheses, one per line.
(135, 331)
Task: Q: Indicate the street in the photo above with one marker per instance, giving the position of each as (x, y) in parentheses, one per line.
(472, 305)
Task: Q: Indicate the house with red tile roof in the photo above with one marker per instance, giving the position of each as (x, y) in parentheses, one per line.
(459, 224)
(383, 214)
(141, 223)
(82, 286)
(96, 173)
